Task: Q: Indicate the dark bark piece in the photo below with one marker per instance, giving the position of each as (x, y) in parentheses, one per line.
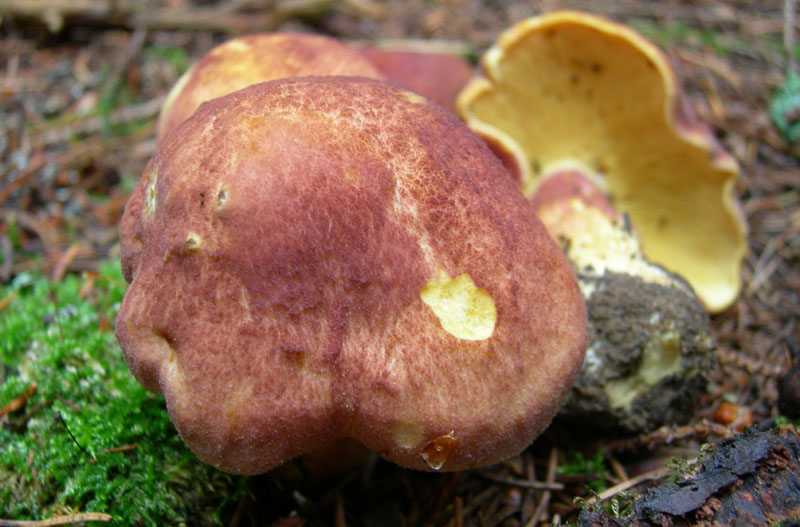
(750, 479)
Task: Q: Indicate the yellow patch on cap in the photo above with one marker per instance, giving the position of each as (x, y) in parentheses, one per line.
(150, 193)
(193, 241)
(463, 309)
(406, 434)
(412, 97)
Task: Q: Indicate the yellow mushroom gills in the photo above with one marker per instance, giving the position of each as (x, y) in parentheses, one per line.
(576, 89)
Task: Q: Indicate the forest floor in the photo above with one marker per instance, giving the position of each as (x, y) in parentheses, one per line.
(81, 84)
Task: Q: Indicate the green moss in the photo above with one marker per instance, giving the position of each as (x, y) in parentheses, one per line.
(786, 421)
(594, 468)
(175, 56)
(126, 458)
(784, 104)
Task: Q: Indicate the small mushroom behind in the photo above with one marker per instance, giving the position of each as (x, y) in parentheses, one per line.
(251, 59)
(434, 73)
(650, 350)
(316, 258)
(569, 87)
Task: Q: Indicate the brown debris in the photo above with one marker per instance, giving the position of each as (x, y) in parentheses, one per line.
(18, 402)
(149, 15)
(789, 393)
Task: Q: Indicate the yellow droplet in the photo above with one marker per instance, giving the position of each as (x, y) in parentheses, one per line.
(222, 198)
(463, 309)
(436, 452)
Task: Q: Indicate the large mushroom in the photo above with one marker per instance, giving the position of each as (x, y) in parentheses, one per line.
(246, 60)
(569, 87)
(333, 257)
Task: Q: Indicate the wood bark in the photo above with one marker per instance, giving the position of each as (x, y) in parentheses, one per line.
(750, 479)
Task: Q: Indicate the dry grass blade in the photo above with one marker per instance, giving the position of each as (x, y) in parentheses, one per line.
(59, 520)
(627, 485)
(524, 483)
(6, 301)
(544, 501)
(227, 16)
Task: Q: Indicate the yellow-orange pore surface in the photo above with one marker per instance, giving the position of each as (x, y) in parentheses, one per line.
(328, 257)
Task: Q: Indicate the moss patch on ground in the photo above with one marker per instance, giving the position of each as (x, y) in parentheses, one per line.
(77, 432)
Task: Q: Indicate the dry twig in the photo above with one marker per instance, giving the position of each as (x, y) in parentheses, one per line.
(18, 402)
(627, 485)
(70, 519)
(230, 17)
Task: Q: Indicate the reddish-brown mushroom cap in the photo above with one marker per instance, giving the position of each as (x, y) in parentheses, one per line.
(434, 74)
(314, 258)
(569, 87)
(251, 59)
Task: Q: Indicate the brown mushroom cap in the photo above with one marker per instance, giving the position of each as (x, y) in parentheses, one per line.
(324, 257)
(436, 75)
(251, 59)
(571, 87)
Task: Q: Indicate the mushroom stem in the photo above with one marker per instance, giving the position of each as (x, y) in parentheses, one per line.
(596, 237)
(649, 339)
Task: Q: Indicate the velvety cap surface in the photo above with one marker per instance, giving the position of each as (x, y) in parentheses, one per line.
(314, 258)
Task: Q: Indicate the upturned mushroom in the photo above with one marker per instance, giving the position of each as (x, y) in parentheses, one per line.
(334, 257)
(569, 87)
(251, 59)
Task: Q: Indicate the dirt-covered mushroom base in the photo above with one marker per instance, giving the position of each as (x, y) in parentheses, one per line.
(649, 357)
